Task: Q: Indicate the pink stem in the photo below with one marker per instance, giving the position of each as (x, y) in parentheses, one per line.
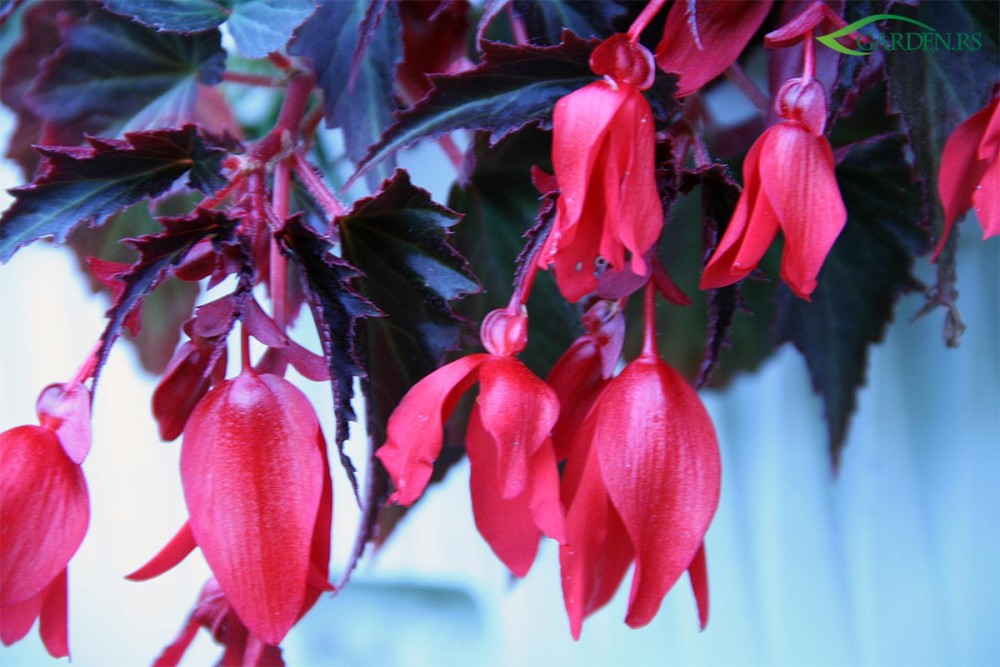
(809, 59)
(251, 79)
(86, 370)
(649, 325)
(317, 188)
(641, 21)
(279, 203)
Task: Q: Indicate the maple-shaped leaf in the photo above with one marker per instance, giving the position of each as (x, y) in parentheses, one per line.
(501, 205)
(257, 26)
(867, 270)
(934, 91)
(158, 254)
(113, 74)
(89, 184)
(336, 307)
(511, 87)
(353, 47)
(545, 21)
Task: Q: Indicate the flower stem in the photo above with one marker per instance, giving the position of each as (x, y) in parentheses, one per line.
(86, 370)
(245, 347)
(649, 322)
(317, 188)
(641, 21)
(279, 203)
(809, 57)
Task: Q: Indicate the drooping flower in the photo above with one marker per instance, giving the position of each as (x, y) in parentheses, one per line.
(702, 38)
(44, 514)
(603, 147)
(256, 483)
(789, 183)
(970, 172)
(514, 479)
(641, 484)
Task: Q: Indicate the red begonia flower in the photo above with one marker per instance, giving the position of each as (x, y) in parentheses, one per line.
(514, 479)
(256, 482)
(642, 482)
(970, 172)
(603, 147)
(44, 514)
(702, 38)
(789, 182)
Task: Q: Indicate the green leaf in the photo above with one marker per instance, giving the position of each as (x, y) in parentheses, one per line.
(336, 308)
(399, 240)
(511, 87)
(867, 270)
(354, 47)
(158, 253)
(545, 21)
(257, 26)
(89, 184)
(934, 91)
(113, 73)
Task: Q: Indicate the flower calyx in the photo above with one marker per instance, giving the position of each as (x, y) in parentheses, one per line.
(624, 62)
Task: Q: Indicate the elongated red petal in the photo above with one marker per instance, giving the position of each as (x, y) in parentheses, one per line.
(176, 550)
(964, 170)
(634, 213)
(659, 459)
(505, 523)
(598, 551)
(53, 623)
(319, 555)
(415, 432)
(801, 187)
(45, 514)
(17, 618)
(701, 39)
(698, 572)
(580, 122)
(518, 410)
(252, 481)
(750, 231)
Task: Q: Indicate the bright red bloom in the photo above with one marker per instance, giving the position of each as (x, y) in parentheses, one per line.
(702, 38)
(256, 482)
(970, 172)
(514, 479)
(44, 514)
(642, 482)
(603, 147)
(789, 182)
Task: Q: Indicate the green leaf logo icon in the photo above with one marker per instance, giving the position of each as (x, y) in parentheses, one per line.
(830, 40)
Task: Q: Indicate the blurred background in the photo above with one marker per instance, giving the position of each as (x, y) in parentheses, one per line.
(894, 562)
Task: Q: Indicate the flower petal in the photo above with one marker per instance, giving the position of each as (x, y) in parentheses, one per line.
(598, 551)
(580, 122)
(634, 213)
(17, 618)
(53, 623)
(176, 550)
(505, 523)
(986, 198)
(750, 231)
(415, 431)
(700, 40)
(698, 572)
(801, 186)
(518, 410)
(45, 515)
(252, 481)
(659, 459)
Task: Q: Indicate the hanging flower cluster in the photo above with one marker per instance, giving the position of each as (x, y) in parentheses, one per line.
(602, 446)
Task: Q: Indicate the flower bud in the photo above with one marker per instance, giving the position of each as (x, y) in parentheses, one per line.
(504, 333)
(624, 61)
(803, 102)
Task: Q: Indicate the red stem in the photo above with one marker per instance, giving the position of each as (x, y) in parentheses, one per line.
(517, 27)
(809, 59)
(251, 79)
(279, 203)
(86, 370)
(317, 188)
(641, 21)
(649, 324)
(216, 199)
(296, 100)
(522, 290)
(245, 348)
